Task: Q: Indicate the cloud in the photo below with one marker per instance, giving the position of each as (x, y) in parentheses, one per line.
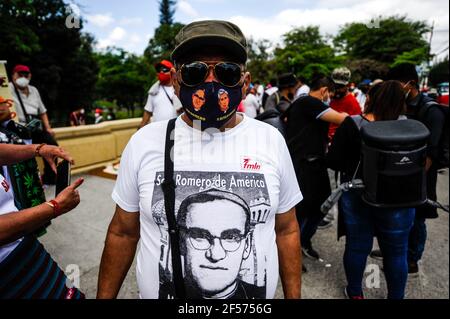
(187, 9)
(135, 38)
(100, 20)
(330, 16)
(114, 38)
(131, 21)
(117, 34)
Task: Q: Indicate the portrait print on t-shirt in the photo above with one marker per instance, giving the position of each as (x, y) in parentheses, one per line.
(219, 217)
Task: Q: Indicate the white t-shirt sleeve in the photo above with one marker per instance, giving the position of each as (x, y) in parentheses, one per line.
(290, 194)
(41, 106)
(149, 106)
(126, 191)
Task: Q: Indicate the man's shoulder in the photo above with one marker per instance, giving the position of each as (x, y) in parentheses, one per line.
(155, 88)
(149, 134)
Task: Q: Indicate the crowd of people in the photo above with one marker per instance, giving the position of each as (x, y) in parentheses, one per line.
(224, 189)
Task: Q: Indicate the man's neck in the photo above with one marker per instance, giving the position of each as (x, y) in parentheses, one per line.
(316, 94)
(285, 94)
(24, 90)
(234, 121)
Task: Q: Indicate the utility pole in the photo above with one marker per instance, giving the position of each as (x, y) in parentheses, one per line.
(428, 66)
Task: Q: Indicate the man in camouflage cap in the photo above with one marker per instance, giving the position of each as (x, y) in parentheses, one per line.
(342, 101)
(215, 147)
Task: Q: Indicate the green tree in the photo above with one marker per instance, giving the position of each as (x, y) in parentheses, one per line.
(260, 61)
(124, 79)
(415, 56)
(439, 72)
(161, 45)
(305, 53)
(166, 11)
(163, 42)
(366, 69)
(34, 32)
(396, 36)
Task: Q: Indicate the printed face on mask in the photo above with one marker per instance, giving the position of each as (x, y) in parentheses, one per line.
(224, 100)
(210, 103)
(211, 100)
(198, 99)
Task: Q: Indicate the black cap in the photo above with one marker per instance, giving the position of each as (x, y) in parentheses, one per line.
(211, 32)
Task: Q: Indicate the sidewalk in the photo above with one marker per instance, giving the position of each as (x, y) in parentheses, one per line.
(78, 238)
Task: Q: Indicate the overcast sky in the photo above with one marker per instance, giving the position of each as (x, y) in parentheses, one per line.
(130, 24)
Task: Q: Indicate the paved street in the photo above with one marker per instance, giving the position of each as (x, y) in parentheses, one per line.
(78, 237)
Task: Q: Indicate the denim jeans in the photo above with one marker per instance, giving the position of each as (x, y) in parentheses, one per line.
(417, 239)
(392, 228)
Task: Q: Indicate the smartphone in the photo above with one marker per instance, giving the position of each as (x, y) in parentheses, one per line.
(62, 176)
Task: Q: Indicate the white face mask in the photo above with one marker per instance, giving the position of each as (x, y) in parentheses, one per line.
(22, 82)
(82, 111)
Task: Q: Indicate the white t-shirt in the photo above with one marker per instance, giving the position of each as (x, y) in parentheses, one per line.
(215, 173)
(302, 91)
(162, 102)
(361, 98)
(33, 103)
(251, 106)
(6, 206)
(259, 94)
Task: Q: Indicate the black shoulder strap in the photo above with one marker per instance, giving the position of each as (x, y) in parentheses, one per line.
(25, 114)
(167, 94)
(168, 187)
(423, 110)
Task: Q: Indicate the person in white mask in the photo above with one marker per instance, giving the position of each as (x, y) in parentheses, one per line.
(29, 107)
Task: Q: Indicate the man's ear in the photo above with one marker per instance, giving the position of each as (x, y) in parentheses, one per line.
(174, 81)
(246, 85)
(248, 245)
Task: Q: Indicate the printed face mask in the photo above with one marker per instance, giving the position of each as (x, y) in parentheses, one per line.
(212, 103)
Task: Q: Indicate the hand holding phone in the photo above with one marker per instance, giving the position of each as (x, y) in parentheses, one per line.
(63, 176)
(69, 198)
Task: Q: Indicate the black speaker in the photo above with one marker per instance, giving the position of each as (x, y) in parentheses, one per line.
(393, 163)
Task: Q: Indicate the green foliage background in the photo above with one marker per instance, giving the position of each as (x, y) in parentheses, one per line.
(74, 74)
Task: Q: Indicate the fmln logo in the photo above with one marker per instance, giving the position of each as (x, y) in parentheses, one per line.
(250, 165)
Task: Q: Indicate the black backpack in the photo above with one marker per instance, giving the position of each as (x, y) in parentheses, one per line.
(425, 105)
(393, 157)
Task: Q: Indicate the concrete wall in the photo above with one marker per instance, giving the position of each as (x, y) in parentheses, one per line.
(94, 146)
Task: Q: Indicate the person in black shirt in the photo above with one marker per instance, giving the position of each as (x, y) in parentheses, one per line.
(434, 120)
(307, 137)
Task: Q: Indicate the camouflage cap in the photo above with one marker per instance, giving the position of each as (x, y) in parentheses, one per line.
(211, 32)
(341, 76)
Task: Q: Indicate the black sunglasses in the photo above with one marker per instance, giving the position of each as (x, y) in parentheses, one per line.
(162, 69)
(195, 73)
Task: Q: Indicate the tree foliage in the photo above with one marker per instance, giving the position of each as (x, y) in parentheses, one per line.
(166, 11)
(260, 61)
(305, 52)
(163, 42)
(34, 32)
(394, 37)
(124, 78)
(439, 72)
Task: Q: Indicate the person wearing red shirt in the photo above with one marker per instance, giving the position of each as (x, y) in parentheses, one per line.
(343, 101)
